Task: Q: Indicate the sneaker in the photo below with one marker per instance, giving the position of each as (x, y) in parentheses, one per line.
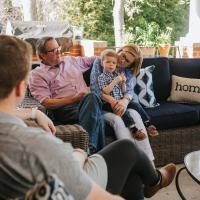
(167, 174)
(138, 135)
(152, 131)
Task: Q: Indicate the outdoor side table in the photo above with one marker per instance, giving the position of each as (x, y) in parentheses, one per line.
(192, 166)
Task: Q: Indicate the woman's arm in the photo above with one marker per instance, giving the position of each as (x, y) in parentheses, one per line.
(95, 72)
(130, 82)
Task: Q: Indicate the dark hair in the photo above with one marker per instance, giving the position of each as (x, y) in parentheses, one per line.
(15, 62)
(109, 53)
(41, 45)
(136, 52)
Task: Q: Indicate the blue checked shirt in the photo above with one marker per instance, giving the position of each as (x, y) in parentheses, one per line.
(97, 70)
(105, 79)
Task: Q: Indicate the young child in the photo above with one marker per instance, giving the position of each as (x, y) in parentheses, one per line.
(113, 83)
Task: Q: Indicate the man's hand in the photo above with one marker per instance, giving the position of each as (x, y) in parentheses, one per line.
(44, 122)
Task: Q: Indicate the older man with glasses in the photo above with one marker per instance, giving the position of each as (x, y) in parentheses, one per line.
(58, 84)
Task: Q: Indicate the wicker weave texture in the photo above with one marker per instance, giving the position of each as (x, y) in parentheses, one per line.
(74, 134)
(173, 144)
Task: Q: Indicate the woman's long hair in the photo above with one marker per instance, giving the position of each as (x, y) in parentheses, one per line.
(136, 52)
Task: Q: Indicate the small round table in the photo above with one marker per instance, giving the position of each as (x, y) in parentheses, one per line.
(192, 166)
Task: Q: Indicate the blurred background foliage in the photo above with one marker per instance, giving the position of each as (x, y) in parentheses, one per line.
(144, 20)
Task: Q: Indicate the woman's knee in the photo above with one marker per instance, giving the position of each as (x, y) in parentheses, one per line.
(127, 146)
(113, 119)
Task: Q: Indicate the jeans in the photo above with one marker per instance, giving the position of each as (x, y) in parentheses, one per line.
(136, 106)
(88, 114)
(126, 117)
(122, 132)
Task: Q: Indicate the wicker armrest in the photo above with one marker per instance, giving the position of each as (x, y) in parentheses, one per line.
(30, 102)
(74, 134)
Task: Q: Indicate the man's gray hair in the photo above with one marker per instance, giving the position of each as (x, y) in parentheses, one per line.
(41, 45)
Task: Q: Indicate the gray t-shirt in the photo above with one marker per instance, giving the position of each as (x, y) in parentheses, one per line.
(28, 154)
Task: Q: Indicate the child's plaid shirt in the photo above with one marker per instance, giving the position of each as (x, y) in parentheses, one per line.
(106, 78)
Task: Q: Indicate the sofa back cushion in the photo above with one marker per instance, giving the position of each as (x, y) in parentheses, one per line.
(185, 67)
(161, 76)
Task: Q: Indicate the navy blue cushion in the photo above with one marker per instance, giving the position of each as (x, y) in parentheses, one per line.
(189, 68)
(172, 115)
(197, 108)
(86, 76)
(161, 76)
(35, 65)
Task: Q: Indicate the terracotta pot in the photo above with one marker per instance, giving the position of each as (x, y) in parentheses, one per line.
(164, 49)
(148, 51)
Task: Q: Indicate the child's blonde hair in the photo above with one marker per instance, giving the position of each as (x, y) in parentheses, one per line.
(136, 52)
(108, 53)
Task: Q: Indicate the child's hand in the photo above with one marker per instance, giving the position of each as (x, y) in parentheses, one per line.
(120, 78)
(123, 76)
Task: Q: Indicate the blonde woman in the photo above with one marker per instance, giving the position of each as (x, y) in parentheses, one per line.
(129, 62)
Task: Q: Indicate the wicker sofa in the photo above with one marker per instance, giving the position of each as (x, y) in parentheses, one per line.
(178, 124)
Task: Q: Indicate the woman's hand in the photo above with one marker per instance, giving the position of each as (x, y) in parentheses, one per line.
(120, 107)
(44, 122)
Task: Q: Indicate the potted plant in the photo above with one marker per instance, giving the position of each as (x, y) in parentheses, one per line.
(164, 41)
(145, 37)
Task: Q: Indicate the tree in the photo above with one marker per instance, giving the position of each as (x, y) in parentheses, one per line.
(118, 16)
(94, 15)
(8, 12)
(29, 10)
(173, 14)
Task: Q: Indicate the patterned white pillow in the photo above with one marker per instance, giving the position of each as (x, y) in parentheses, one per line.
(143, 88)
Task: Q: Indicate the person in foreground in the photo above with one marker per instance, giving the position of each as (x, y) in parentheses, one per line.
(59, 86)
(27, 155)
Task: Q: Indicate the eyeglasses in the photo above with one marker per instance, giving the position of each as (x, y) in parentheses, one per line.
(55, 50)
(125, 58)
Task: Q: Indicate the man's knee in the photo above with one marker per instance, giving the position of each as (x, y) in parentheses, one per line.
(92, 98)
